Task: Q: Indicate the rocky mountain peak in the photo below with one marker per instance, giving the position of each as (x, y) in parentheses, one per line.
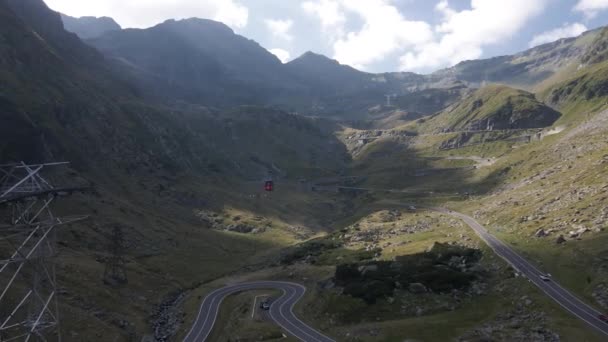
(89, 27)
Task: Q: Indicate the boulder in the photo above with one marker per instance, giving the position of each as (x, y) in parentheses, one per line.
(417, 288)
(560, 240)
(240, 228)
(367, 268)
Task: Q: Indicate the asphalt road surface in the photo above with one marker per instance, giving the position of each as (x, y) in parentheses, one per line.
(281, 311)
(552, 289)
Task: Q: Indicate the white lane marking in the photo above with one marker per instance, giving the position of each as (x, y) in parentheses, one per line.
(472, 223)
(530, 265)
(556, 296)
(296, 317)
(533, 270)
(229, 290)
(209, 296)
(212, 301)
(284, 327)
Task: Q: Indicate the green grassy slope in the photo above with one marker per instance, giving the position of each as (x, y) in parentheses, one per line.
(582, 93)
(532, 69)
(153, 170)
(494, 107)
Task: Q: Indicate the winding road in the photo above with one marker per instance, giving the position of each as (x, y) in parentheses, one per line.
(552, 289)
(281, 311)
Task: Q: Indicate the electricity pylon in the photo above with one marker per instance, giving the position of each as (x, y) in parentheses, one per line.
(388, 99)
(28, 286)
(115, 273)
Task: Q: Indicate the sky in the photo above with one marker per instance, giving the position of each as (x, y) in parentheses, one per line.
(371, 35)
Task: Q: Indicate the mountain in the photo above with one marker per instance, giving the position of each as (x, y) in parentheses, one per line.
(527, 69)
(196, 61)
(322, 73)
(89, 27)
(495, 108)
(61, 44)
(172, 127)
(201, 61)
(72, 108)
(431, 100)
(344, 92)
(152, 168)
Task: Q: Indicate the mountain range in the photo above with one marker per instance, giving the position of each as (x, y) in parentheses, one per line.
(200, 61)
(177, 127)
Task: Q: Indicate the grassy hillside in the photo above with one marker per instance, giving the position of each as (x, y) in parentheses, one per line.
(155, 170)
(494, 107)
(582, 93)
(183, 184)
(529, 69)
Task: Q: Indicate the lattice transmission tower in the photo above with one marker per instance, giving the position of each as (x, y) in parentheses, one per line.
(28, 287)
(115, 273)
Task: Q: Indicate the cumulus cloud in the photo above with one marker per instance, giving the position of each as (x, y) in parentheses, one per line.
(146, 13)
(384, 30)
(591, 7)
(280, 28)
(462, 35)
(329, 13)
(565, 31)
(281, 54)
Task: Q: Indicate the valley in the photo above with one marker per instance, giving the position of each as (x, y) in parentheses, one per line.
(385, 215)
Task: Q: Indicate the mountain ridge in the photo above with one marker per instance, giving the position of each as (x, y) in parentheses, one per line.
(181, 173)
(89, 27)
(312, 84)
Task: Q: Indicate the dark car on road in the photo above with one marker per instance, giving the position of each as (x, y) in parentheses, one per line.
(603, 318)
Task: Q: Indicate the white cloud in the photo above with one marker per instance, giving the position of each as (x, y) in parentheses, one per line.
(565, 31)
(384, 30)
(280, 28)
(463, 35)
(281, 54)
(329, 13)
(146, 13)
(591, 7)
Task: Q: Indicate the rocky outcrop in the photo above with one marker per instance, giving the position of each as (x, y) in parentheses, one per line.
(417, 288)
(89, 27)
(168, 316)
(520, 324)
(216, 221)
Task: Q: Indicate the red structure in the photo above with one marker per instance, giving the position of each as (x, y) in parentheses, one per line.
(269, 186)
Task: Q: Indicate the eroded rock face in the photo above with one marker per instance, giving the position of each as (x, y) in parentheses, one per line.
(168, 316)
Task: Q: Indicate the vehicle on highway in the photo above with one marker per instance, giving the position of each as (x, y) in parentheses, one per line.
(544, 277)
(603, 318)
(411, 207)
(265, 305)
